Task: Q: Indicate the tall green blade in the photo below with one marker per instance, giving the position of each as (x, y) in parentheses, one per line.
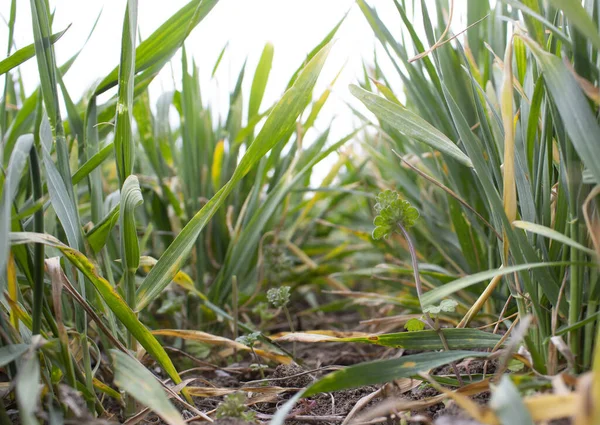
(132, 377)
(259, 83)
(112, 298)
(410, 124)
(16, 164)
(124, 144)
(376, 372)
(578, 119)
(157, 50)
(24, 54)
(27, 388)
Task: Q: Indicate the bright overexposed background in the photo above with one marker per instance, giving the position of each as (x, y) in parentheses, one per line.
(294, 27)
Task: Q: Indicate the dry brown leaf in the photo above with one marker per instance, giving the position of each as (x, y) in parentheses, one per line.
(316, 336)
(218, 392)
(219, 340)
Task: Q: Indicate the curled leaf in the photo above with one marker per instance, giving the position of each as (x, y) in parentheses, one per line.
(447, 306)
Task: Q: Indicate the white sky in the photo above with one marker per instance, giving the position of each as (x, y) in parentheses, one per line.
(294, 27)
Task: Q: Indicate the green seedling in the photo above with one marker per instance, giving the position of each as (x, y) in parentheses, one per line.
(393, 215)
(234, 406)
(280, 297)
(398, 215)
(249, 341)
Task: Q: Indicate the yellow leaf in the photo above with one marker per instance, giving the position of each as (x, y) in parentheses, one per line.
(210, 339)
(217, 165)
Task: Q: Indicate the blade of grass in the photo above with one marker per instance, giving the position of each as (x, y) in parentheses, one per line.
(458, 339)
(24, 54)
(241, 251)
(98, 236)
(259, 83)
(508, 404)
(27, 387)
(124, 144)
(549, 233)
(114, 301)
(7, 77)
(573, 107)
(373, 373)
(438, 294)
(410, 124)
(131, 197)
(133, 378)
(16, 164)
(10, 353)
(577, 16)
(161, 45)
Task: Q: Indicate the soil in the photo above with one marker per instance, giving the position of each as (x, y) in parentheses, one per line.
(291, 376)
(469, 367)
(232, 421)
(317, 360)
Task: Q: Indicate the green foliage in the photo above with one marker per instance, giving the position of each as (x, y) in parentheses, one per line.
(414, 325)
(153, 201)
(507, 199)
(248, 340)
(391, 213)
(446, 306)
(233, 406)
(139, 382)
(145, 240)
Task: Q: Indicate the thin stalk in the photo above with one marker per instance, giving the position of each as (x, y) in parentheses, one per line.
(258, 363)
(291, 324)
(419, 286)
(588, 332)
(130, 299)
(38, 225)
(235, 301)
(575, 295)
(109, 275)
(539, 362)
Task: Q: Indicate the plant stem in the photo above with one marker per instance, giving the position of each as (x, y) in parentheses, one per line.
(236, 318)
(428, 320)
(257, 360)
(291, 324)
(130, 298)
(588, 331)
(575, 294)
(38, 225)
